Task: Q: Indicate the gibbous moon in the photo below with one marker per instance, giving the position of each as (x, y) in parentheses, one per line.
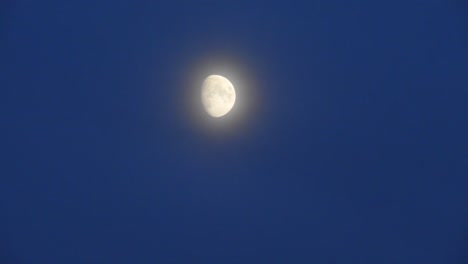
(218, 95)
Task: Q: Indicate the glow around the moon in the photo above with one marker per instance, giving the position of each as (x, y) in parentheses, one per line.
(218, 95)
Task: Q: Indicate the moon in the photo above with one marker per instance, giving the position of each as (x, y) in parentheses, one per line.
(218, 95)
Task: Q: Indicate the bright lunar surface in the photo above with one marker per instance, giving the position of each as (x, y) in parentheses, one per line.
(218, 95)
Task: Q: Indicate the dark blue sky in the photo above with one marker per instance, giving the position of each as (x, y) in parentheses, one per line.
(349, 142)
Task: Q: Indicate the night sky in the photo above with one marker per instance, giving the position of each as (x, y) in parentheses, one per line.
(348, 142)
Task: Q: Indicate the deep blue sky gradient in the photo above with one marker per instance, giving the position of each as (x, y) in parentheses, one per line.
(349, 142)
